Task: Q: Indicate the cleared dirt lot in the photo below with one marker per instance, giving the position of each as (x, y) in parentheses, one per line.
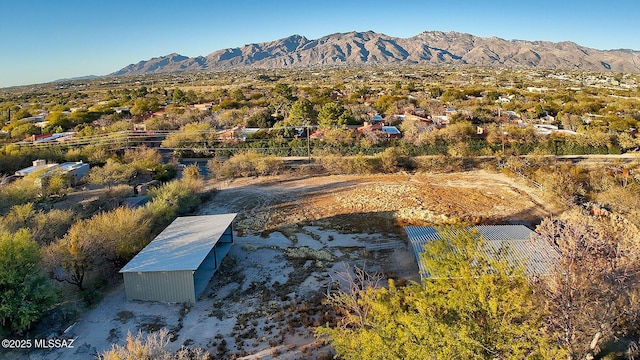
(293, 237)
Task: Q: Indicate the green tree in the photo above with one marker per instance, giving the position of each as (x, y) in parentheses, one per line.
(141, 92)
(190, 97)
(55, 183)
(20, 114)
(178, 96)
(143, 159)
(386, 104)
(58, 118)
(301, 111)
(51, 225)
(68, 260)
(103, 243)
(238, 95)
(20, 191)
(144, 105)
(82, 116)
(25, 294)
(283, 98)
(474, 305)
(284, 90)
(195, 136)
(23, 130)
(178, 197)
(260, 119)
(332, 114)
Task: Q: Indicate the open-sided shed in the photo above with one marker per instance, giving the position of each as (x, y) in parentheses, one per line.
(179, 263)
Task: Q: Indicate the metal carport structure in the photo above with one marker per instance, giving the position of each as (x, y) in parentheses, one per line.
(179, 263)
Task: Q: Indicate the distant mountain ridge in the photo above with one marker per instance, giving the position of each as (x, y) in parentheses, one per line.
(429, 47)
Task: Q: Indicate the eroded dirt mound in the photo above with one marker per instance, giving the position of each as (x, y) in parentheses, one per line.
(472, 197)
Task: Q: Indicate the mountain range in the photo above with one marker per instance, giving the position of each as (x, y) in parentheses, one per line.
(429, 47)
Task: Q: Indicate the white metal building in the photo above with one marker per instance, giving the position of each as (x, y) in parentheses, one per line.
(179, 263)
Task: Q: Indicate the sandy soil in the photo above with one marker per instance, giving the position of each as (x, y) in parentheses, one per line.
(293, 238)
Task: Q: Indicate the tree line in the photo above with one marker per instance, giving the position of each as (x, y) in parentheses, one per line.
(82, 245)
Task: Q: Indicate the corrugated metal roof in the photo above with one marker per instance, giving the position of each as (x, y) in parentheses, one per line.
(519, 245)
(182, 245)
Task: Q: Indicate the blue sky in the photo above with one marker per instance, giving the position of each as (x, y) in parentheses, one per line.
(46, 40)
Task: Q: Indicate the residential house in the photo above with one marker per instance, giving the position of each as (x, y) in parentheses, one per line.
(381, 131)
(377, 118)
(74, 170)
(391, 132)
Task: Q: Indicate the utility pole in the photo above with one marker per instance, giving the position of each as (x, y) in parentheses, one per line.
(308, 145)
(502, 137)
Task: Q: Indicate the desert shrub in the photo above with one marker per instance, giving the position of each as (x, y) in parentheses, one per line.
(20, 191)
(394, 158)
(245, 164)
(600, 180)
(164, 172)
(623, 200)
(175, 198)
(26, 294)
(559, 185)
(358, 164)
(151, 347)
(459, 148)
(192, 173)
(112, 173)
(517, 164)
(306, 253)
(335, 163)
(45, 226)
(214, 166)
(143, 159)
(103, 243)
(114, 196)
(330, 160)
(439, 163)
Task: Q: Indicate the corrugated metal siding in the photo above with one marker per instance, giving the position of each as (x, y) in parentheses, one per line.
(171, 283)
(533, 255)
(516, 243)
(503, 232)
(166, 286)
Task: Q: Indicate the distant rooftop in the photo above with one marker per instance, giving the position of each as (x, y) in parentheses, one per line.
(32, 169)
(391, 130)
(68, 166)
(42, 165)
